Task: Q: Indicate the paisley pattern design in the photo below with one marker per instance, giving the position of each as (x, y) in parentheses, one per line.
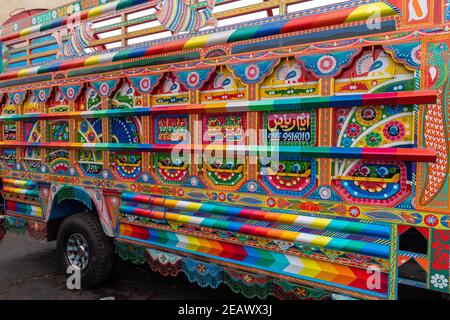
(170, 91)
(223, 86)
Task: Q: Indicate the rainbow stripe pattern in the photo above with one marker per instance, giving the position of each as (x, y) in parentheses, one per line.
(182, 20)
(371, 230)
(329, 274)
(357, 14)
(328, 243)
(275, 105)
(22, 197)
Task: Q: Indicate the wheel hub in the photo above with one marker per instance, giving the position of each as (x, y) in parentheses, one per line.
(77, 251)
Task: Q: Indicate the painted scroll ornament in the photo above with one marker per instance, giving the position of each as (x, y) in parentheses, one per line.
(181, 16)
(79, 38)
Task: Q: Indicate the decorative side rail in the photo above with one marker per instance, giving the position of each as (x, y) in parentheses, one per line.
(371, 230)
(349, 101)
(350, 15)
(400, 154)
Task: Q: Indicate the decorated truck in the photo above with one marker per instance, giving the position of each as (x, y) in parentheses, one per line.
(286, 152)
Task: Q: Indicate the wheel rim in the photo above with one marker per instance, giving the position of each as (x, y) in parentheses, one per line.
(77, 251)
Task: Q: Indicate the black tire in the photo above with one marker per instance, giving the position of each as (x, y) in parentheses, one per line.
(101, 248)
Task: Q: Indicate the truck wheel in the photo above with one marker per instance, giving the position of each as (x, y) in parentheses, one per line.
(83, 246)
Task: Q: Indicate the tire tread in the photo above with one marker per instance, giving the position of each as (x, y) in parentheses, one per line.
(104, 261)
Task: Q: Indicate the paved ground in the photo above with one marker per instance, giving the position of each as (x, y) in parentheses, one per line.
(29, 270)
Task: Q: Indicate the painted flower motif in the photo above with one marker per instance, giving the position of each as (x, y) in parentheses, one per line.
(391, 110)
(353, 130)
(248, 279)
(431, 220)
(394, 131)
(382, 172)
(325, 193)
(439, 281)
(230, 165)
(373, 139)
(364, 171)
(354, 212)
(201, 268)
(194, 181)
(347, 142)
(163, 258)
(358, 259)
(271, 202)
(296, 168)
(91, 137)
(252, 187)
(368, 114)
